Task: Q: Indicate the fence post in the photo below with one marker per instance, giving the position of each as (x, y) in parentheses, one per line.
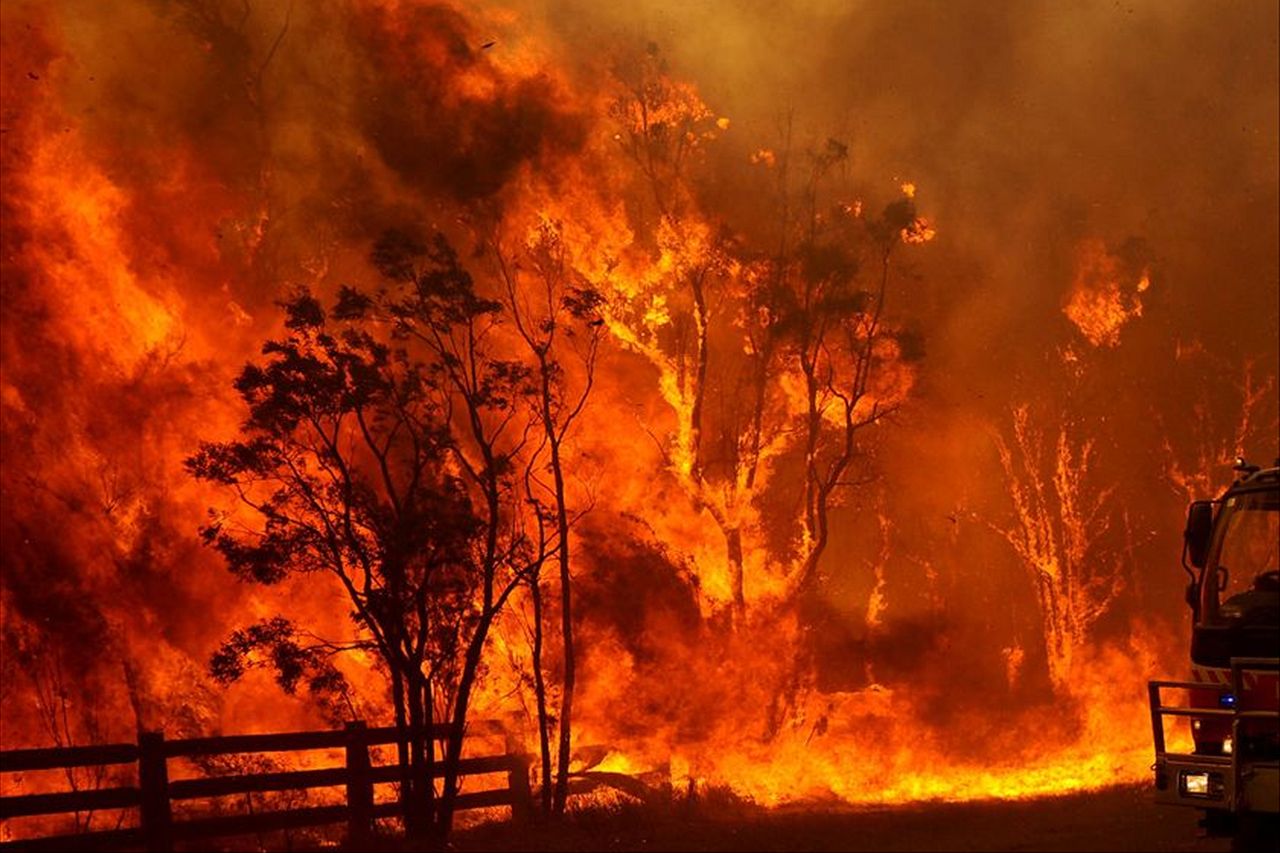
(153, 780)
(359, 787)
(518, 780)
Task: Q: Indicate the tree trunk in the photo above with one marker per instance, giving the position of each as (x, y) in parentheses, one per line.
(540, 697)
(429, 800)
(402, 750)
(419, 782)
(733, 541)
(453, 745)
(566, 627)
(700, 377)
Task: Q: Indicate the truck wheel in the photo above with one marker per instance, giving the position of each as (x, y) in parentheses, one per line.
(1256, 832)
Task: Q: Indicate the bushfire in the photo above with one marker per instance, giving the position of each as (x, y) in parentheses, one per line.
(789, 407)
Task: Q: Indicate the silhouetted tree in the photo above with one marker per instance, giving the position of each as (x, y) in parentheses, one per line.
(555, 313)
(376, 452)
(431, 305)
(822, 297)
(64, 703)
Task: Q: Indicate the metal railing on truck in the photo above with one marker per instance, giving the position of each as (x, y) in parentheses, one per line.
(155, 793)
(1248, 782)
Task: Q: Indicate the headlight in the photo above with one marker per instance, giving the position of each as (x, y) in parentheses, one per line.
(1200, 784)
(1195, 784)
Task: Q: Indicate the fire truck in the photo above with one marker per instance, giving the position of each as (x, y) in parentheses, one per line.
(1230, 551)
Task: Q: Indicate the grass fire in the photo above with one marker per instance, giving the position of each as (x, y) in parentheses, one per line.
(506, 425)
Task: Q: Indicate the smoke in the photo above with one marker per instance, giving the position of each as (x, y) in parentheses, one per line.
(1033, 132)
(1041, 137)
(171, 168)
(1028, 128)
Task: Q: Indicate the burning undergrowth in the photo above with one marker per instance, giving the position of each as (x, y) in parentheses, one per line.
(863, 480)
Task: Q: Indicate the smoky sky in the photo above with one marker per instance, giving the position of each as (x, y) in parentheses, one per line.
(1030, 128)
(1027, 125)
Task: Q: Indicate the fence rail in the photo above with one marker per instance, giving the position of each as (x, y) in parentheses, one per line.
(155, 793)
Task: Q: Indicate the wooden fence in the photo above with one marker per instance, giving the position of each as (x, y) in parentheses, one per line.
(155, 793)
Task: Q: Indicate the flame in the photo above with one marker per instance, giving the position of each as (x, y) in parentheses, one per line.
(868, 747)
(1104, 298)
(980, 629)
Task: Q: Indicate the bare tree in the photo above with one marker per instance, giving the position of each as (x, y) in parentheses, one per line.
(65, 703)
(1060, 522)
(1201, 445)
(555, 314)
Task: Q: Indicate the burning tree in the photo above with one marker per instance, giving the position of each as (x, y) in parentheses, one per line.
(758, 346)
(556, 316)
(833, 323)
(1061, 520)
(1065, 527)
(664, 127)
(379, 450)
(1208, 439)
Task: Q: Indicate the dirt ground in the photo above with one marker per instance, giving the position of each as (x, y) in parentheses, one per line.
(1122, 818)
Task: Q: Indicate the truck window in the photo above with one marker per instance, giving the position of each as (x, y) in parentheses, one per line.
(1248, 545)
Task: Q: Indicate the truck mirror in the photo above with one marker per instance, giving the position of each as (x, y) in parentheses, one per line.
(1199, 529)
